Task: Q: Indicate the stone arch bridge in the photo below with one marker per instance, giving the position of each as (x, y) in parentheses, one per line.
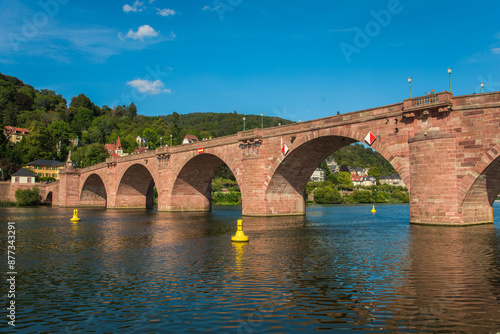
(446, 149)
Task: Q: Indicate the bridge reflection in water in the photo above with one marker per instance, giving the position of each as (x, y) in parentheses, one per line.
(337, 268)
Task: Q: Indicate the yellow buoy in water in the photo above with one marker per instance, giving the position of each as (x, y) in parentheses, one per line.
(373, 209)
(75, 216)
(240, 236)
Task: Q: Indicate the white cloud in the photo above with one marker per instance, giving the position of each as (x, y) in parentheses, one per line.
(210, 8)
(165, 12)
(495, 51)
(136, 7)
(145, 31)
(149, 87)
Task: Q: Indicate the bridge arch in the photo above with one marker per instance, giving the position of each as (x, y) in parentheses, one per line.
(287, 181)
(191, 190)
(48, 198)
(480, 187)
(93, 191)
(135, 188)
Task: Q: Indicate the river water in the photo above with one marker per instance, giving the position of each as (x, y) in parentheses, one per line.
(339, 269)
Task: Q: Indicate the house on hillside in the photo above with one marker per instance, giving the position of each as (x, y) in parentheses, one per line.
(365, 181)
(318, 175)
(115, 149)
(334, 167)
(393, 180)
(23, 176)
(15, 134)
(143, 142)
(45, 168)
(188, 139)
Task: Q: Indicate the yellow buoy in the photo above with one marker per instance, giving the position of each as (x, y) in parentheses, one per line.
(240, 236)
(373, 209)
(75, 216)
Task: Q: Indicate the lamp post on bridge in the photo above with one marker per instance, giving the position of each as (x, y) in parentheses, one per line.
(170, 140)
(244, 123)
(161, 141)
(409, 82)
(482, 87)
(262, 120)
(449, 78)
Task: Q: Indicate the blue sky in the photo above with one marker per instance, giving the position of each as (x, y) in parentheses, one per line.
(293, 59)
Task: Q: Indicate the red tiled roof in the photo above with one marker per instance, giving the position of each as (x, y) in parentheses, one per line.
(11, 129)
(140, 150)
(191, 138)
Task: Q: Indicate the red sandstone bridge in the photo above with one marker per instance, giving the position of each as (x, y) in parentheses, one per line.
(446, 149)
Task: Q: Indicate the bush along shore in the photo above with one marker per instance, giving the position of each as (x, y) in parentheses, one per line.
(329, 193)
(227, 192)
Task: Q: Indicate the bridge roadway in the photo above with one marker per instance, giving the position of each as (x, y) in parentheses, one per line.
(445, 148)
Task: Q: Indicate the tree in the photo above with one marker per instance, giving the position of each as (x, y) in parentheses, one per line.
(362, 196)
(328, 172)
(131, 110)
(3, 141)
(344, 178)
(40, 144)
(89, 155)
(105, 126)
(327, 195)
(176, 130)
(81, 101)
(374, 172)
(150, 135)
(28, 196)
(83, 118)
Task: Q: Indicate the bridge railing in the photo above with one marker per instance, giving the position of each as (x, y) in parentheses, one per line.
(428, 101)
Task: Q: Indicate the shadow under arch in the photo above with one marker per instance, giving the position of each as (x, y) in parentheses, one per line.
(286, 191)
(48, 198)
(93, 192)
(481, 187)
(135, 189)
(192, 189)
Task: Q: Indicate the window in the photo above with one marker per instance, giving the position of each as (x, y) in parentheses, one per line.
(16, 179)
(29, 179)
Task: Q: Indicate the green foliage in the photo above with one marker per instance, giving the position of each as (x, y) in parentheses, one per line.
(40, 144)
(224, 172)
(26, 197)
(327, 195)
(344, 178)
(357, 155)
(226, 198)
(6, 204)
(374, 172)
(400, 196)
(362, 196)
(88, 155)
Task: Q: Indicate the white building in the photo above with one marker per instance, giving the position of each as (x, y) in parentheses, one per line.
(318, 175)
(188, 139)
(142, 141)
(393, 180)
(23, 176)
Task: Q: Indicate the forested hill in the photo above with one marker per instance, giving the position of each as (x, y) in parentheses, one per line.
(357, 155)
(52, 123)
